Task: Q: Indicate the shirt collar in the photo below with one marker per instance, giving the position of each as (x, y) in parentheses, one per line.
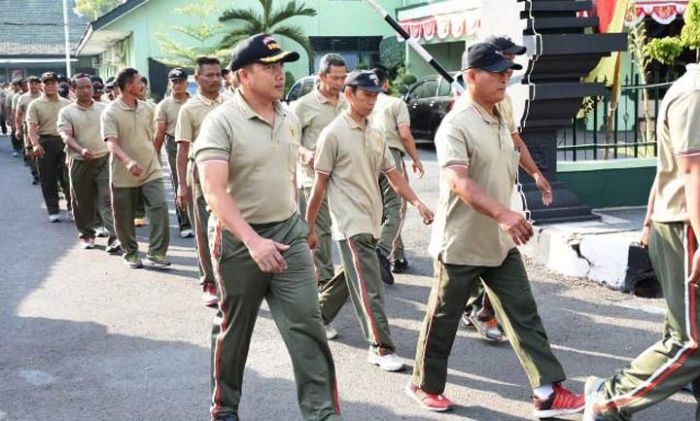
(469, 101)
(126, 107)
(179, 102)
(92, 105)
(209, 102)
(351, 121)
(249, 113)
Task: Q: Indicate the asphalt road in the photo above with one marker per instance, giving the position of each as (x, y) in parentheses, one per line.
(85, 338)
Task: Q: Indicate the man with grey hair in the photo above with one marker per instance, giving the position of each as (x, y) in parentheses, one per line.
(316, 110)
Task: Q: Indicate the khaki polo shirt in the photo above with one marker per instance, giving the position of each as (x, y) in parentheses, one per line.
(505, 109)
(389, 114)
(44, 112)
(167, 111)
(353, 156)
(84, 122)
(24, 100)
(261, 155)
(470, 137)
(15, 100)
(315, 112)
(8, 101)
(133, 128)
(678, 132)
(191, 117)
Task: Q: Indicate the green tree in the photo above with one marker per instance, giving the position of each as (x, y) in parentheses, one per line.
(664, 50)
(93, 9)
(690, 34)
(200, 33)
(270, 20)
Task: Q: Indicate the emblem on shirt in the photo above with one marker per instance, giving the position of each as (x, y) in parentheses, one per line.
(292, 131)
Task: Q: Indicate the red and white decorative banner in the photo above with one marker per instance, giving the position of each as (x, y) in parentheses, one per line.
(663, 12)
(454, 25)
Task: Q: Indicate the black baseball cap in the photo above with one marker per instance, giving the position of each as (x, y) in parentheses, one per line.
(49, 76)
(98, 86)
(506, 45)
(366, 80)
(260, 48)
(33, 79)
(485, 56)
(177, 74)
(94, 79)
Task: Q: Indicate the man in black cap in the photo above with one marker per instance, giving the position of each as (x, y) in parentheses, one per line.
(47, 145)
(479, 312)
(111, 90)
(166, 119)
(479, 162)
(246, 156)
(33, 93)
(351, 154)
(98, 88)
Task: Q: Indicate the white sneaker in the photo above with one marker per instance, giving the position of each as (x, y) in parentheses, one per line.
(88, 244)
(389, 362)
(186, 233)
(331, 333)
(69, 216)
(54, 217)
(101, 232)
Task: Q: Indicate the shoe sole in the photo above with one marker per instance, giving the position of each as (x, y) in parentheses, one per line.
(134, 265)
(409, 392)
(158, 266)
(558, 412)
(390, 370)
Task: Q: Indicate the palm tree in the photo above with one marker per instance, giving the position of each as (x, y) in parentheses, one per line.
(269, 21)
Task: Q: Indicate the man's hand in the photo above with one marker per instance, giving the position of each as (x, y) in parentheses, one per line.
(418, 168)
(425, 213)
(87, 154)
(644, 239)
(38, 151)
(182, 196)
(312, 239)
(544, 187)
(307, 157)
(516, 226)
(268, 254)
(135, 168)
(695, 268)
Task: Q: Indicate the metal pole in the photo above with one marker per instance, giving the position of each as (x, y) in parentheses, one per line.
(67, 38)
(416, 46)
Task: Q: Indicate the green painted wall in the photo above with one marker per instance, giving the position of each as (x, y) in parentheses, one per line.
(605, 184)
(335, 18)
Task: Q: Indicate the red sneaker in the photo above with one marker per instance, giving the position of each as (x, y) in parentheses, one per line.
(561, 402)
(209, 294)
(429, 401)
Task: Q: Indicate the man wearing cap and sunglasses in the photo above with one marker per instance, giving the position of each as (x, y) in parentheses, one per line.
(33, 93)
(47, 145)
(246, 155)
(479, 161)
(479, 312)
(350, 156)
(166, 119)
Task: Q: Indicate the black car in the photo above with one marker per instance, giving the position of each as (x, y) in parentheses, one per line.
(429, 100)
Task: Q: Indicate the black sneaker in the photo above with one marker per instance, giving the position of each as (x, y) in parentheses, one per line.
(228, 418)
(385, 269)
(399, 266)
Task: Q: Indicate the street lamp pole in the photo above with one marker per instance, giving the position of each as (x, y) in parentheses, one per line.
(66, 36)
